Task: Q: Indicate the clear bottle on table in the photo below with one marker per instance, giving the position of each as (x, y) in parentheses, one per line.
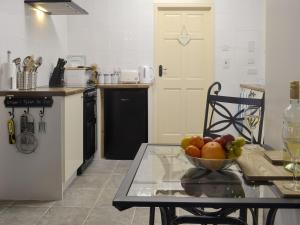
(291, 117)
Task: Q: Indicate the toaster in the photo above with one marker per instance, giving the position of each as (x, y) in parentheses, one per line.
(129, 76)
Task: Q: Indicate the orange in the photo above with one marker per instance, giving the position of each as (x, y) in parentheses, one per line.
(213, 150)
(193, 151)
(197, 141)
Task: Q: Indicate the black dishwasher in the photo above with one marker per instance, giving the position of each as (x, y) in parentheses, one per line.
(125, 122)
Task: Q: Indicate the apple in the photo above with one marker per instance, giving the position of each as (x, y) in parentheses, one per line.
(197, 141)
(207, 139)
(220, 140)
(227, 138)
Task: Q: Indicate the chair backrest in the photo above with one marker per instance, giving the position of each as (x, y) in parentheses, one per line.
(225, 113)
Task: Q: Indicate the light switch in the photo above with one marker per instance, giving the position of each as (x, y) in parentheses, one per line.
(252, 71)
(251, 46)
(251, 61)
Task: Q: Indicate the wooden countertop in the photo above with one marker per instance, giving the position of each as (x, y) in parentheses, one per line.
(123, 85)
(43, 91)
(65, 91)
(255, 87)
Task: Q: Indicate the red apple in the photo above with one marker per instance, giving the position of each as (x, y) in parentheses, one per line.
(220, 140)
(207, 139)
(227, 138)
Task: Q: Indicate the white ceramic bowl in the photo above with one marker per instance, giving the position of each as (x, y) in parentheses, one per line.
(210, 164)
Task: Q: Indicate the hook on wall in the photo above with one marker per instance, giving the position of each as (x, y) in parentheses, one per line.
(12, 113)
(26, 111)
(42, 111)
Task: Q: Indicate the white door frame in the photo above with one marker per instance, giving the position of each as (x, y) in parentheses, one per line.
(157, 7)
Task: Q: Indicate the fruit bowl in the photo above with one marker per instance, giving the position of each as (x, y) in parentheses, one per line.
(210, 164)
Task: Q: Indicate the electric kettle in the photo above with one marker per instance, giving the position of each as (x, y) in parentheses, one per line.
(146, 74)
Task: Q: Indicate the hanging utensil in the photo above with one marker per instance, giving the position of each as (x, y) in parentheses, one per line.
(17, 62)
(42, 123)
(37, 63)
(11, 128)
(27, 143)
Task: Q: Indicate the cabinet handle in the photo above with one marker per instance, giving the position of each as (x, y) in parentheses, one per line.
(124, 99)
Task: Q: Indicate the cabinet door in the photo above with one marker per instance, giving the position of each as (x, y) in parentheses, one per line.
(125, 122)
(73, 134)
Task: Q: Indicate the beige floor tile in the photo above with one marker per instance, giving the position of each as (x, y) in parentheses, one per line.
(115, 181)
(2, 209)
(123, 166)
(141, 216)
(101, 166)
(90, 181)
(74, 197)
(64, 216)
(106, 197)
(22, 215)
(110, 216)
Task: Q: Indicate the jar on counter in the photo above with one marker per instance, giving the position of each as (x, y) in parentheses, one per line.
(107, 78)
(101, 78)
(115, 78)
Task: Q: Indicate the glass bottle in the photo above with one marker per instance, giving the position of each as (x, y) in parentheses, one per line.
(291, 116)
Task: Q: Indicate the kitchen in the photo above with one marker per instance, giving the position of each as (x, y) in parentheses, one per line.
(120, 34)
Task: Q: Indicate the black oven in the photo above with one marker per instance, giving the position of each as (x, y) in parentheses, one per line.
(89, 127)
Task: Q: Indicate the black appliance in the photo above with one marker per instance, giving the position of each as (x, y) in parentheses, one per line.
(57, 76)
(125, 122)
(89, 127)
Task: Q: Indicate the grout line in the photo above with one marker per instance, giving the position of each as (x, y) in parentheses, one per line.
(116, 166)
(133, 215)
(97, 199)
(39, 219)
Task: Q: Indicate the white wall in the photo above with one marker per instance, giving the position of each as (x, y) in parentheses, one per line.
(24, 33)
(116, 33)
(282, 66)
(120, 33)
(239, 40)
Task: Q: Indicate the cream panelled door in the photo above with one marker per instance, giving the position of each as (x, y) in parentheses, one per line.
(184, 50)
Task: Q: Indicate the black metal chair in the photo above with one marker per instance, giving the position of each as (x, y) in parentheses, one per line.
(224, 114)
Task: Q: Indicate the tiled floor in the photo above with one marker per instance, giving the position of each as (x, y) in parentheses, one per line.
(88, 201)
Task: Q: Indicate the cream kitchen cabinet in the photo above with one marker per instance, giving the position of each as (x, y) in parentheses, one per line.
(73, 135)
(47, 172)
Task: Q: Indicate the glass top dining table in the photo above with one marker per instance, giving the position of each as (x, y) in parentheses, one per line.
(161, 176)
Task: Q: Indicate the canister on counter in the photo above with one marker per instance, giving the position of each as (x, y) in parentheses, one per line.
(107, 78)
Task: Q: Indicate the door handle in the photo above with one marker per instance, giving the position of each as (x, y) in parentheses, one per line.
(161, 70)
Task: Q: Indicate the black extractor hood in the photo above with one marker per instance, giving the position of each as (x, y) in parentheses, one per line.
(57, 7)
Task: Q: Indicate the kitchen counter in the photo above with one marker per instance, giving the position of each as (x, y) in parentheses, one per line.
(43, 91)
(65, 91)
(123, 85)
(254, 87)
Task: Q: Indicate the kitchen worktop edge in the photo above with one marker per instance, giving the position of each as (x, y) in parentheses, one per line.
(43, 91)
(120, 85)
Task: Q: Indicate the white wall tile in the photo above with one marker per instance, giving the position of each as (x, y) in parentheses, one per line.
(24, 33)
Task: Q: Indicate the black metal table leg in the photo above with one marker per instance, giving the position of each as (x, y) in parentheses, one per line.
(152, 216)
(163, 215)
(243, 214)
(271, 216)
